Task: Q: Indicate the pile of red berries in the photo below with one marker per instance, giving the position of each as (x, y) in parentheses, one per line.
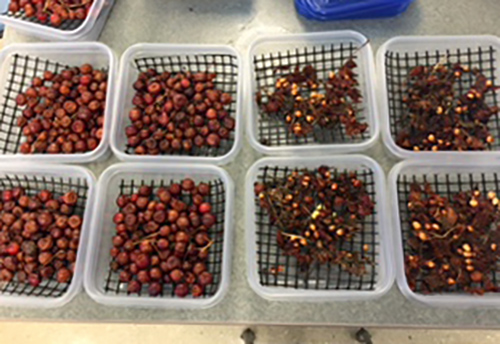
(54, 11)
(39, 236)
(162, 239)
(64, 112)
(177, 113)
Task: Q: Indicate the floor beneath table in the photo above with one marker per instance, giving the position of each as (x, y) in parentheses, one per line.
(58, 333)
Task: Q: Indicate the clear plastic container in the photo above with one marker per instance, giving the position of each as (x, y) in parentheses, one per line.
(221, 59)
(275, 277)
(398, 55)
(326, 51)
(19, 63)
(103, 286)
(450, 177)
(59, 179)
(74, 30)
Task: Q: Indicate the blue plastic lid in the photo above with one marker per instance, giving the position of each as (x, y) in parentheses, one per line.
(350, 9)
(345, 6)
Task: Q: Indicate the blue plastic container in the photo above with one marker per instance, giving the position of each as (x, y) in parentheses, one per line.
(350, 9)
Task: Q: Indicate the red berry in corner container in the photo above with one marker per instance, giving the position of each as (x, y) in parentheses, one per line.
(181, 290)
(205, 278)
(134, 287)
(197, 290)
(42, 9)
(63, 275)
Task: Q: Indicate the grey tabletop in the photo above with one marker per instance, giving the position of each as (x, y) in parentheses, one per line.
(235, 22)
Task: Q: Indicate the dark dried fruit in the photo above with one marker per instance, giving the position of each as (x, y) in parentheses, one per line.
(34, 244)
(304, 102)
(440, 114)
(162, 238)
(170, 116)
(59, 113)
(453, 242)
(316, 211)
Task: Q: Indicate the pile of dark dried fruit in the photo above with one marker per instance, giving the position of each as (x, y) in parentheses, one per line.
(454, 242)
(39, 236)
(162, 239)
(315, 212)
(440, 118)
(305, 102)
(178, 113)
(64, 113)
(54, 12)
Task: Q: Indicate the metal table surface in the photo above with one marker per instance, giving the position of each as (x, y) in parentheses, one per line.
(235, 22)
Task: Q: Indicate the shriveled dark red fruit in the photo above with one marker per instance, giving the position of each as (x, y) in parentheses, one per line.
(197, 290)
(155, 289)
(134, 287)
(64, 275)
(180, 111)
(34, 244)
(161, 240)
(181, 290)
(51, 12)
(63, 113)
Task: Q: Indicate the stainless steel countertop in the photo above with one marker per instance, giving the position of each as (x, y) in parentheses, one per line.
(235, 22)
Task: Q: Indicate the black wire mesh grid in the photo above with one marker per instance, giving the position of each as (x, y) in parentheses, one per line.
(226, 68)
(278, 270)
(112, 284)
(33, 184)
(21, 71)
(398, 65)
(66, 25)
(446, 185)
(272, 130)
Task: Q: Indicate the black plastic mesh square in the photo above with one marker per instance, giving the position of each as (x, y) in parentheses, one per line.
(33, 185)
(446, 185)
(226, 68)
(22, 70)
(112, 284)
(278, 270)
(272, 130)
(398, 65)
(67, 25)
